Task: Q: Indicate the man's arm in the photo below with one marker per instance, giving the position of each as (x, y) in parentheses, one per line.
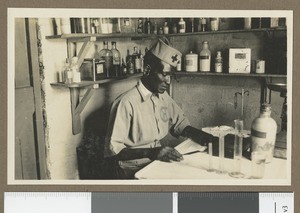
(198, 135)
(159, 153)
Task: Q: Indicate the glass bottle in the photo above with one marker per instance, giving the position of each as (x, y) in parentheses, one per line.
(130, 66)
(214, 24)
(181, 26)
(203, 25)
(106, 55)
(166, 28)
(116, 60)
(205, 58)
(140, 26)
(155, 28)
(141, 61)
(136, 60)
(160, 32)
(219, 62)
(75, 71)
(263, 133)
(148, 26)
(68, 75)
(123, 68)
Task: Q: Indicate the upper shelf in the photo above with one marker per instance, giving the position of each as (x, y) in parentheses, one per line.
(229, 74)
(142, 35)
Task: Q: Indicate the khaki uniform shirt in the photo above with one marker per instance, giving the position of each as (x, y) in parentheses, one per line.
(140, 119)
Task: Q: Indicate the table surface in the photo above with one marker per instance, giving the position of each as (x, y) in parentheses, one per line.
(195, 166)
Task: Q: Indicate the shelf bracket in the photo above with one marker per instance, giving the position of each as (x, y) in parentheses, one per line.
(77, 107)
(88, 42)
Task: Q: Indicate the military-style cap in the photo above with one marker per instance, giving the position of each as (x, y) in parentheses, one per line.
(166, 53)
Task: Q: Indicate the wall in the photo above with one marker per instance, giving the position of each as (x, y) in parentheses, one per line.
(209, 100)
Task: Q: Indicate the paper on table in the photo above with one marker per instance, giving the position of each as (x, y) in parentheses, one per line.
(190, 147)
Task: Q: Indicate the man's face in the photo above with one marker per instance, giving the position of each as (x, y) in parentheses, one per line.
(161, 79)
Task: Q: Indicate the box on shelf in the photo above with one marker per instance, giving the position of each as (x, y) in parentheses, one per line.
(92, 69)
(239, 60)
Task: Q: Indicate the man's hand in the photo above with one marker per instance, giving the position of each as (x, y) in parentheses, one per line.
(166, 154)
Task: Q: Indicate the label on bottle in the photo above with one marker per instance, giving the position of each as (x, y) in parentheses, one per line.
(205, 64)
(218, 67)
(137, 63)
(204, 57)
(258, 134)
(99, 69)
(189, 62)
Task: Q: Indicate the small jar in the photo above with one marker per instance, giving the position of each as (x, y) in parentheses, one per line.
(191, 62)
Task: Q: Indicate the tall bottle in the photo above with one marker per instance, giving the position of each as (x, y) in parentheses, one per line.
(75, 70)
(140, 26)
(263, 133)
(155, 28)
(137, 61)
(129, 63)
(219, 62)
(148, 26)
(205, 58)
(203, 25)
(181, 26)
(141, 60)
(68, 74)
(107, 56)
(116, 60)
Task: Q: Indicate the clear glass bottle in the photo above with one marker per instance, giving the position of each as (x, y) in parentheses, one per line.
(75, 70)
(116, 60)
(166, 28)
(181, 26)
(130, 66)
(155, 28)
(106, 55)
(203, 25)
(148, 26)
(68, 75)
(123, 68)
(263, 133)
(219, 62)
(205, 58)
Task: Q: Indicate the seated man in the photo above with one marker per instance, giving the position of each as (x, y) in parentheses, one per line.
(144, 115)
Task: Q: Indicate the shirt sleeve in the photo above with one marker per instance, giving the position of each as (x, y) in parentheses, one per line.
(118, 127)
(179, 120)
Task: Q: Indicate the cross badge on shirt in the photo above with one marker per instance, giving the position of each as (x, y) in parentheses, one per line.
(174, 58)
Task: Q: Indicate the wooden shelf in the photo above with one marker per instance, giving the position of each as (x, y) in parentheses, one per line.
(183, 73)
(142, 35)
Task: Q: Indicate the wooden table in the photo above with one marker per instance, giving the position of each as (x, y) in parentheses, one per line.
(195, 166)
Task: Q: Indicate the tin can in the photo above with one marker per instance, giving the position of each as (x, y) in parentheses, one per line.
(260, 66)
(191, 62)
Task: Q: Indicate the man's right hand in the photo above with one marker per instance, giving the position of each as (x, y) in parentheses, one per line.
(166, 154)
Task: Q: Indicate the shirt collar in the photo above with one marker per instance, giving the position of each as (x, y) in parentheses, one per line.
(145, 93)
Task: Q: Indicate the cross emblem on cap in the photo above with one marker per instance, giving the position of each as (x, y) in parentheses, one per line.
(174, 58)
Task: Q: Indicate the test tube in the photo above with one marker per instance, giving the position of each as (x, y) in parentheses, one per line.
(221, 154)
(238, 149)
(210, 155)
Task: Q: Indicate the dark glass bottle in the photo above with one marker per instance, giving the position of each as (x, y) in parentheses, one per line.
(116, 60)
(140, 26)
(148, 26)
(107, 56)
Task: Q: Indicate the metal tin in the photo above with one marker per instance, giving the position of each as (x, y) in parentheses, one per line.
(191, 62)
